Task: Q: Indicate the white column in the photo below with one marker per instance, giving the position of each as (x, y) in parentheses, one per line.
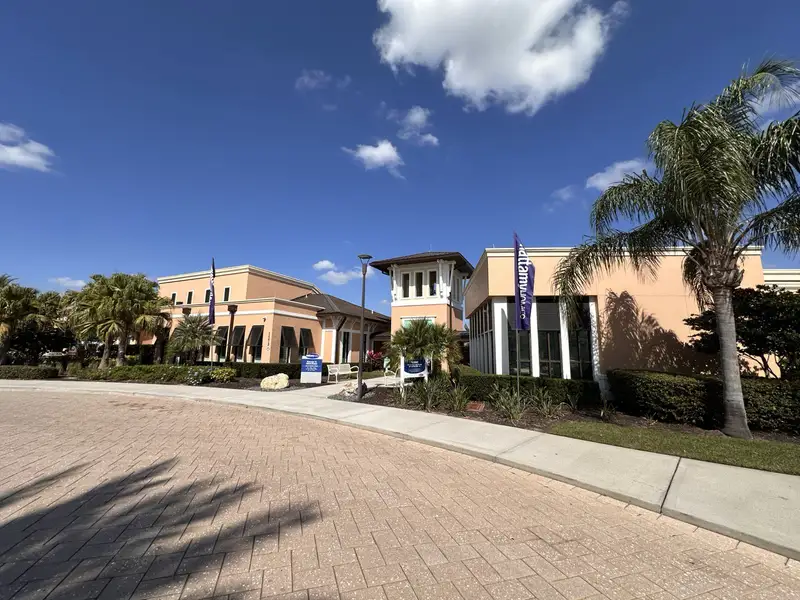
(500, 317)
(534, 339)
(594, 338)
(564, 318)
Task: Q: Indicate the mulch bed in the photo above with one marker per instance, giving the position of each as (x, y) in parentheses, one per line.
(390, 397)
(254, 384)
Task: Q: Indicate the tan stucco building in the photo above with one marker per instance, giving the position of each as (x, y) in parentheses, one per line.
(268, 317)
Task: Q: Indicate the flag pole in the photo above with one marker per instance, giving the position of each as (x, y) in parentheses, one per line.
(517, 362)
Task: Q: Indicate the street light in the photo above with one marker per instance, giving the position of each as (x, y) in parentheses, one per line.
(364, 258)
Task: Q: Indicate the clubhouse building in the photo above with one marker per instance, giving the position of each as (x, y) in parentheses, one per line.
(623, 321)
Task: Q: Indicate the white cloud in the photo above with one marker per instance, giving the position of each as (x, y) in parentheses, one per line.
(342, 277)
(324, 265)
(610, 175)
(383, 154)
(520, 54)
(317, 79)
(344, 82)
(413, 125)
(384, 301)
(17, 150)
(68, 282)
(330, 107)
(560, 198)
(775, 106)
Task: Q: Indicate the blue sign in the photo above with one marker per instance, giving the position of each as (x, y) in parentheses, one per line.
(523, 285)
(415, 366)
(311, 364)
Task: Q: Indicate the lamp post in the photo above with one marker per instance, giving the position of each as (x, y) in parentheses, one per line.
(232, 308)
(364, 258)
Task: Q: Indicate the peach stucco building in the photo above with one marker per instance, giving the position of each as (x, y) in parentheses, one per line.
(264, 316)
(624, 321)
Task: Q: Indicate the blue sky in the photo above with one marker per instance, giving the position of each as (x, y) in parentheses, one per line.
(148, 136)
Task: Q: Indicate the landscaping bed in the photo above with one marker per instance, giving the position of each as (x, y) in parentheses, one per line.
(254, 384)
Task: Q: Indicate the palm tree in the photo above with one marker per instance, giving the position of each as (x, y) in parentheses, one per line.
(17, 307)
(90, 307)
(191, 335)
(421, 338)
(723, 183)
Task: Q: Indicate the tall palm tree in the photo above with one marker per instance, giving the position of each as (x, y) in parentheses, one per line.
(90, 307)
(193, 334)
(723, 183)
(17, 307)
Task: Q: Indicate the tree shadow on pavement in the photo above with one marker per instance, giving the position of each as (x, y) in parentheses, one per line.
(146, 534)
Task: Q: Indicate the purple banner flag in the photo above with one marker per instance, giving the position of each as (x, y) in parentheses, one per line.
(524, 273)
(211, 299)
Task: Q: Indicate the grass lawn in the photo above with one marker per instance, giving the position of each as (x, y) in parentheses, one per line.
(781, 457)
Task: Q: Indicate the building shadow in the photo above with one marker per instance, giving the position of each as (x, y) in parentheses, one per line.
(631, 338)
(139, 531)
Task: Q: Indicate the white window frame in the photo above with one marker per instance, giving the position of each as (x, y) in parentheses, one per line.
(435, 273)
(421, 287)
(174, 298)
(226, 294)
(402, 290)
(207, 296)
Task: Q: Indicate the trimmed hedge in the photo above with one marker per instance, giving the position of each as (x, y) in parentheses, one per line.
(26, 372)
(149, 374)
(772, 404)
(261, 370)
(587, 393)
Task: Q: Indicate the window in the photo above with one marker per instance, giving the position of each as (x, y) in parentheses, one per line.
(345, 347)
(237, 343)
(226, 294)
(418, 284)
(549, 319)
(432, 276)
(524, 343)
(189, 297)
(173, 298)
(222, 335)
(208, 297)
(580, 347)
(254, 342)
(306, 342)
(406, 284)
(288, 341)
(406, 320)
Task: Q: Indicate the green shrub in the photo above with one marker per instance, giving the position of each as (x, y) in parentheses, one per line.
(583, 393)
(261, 370)
(25, 372)
(772, 404)
(132, 360)
(149, 374)
(222, 374)
(432, 393)
(509, 402)
(545, 404)
(74, 369)
(458, 399)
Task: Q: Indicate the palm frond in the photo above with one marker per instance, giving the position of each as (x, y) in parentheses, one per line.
(636, 197)
(778, 228)
(776, 156)
(693, 274)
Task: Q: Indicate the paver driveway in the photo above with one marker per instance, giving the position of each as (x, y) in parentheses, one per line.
(118, 497)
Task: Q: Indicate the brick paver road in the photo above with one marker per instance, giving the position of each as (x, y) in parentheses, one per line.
(119, 497)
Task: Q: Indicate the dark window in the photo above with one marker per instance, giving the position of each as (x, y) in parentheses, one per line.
(418, 285)
(226, 294)
(524, 343)
(288, 342)
(580, 346)
(254, 342)
(173, 298)
(237, 343)
(222, 335)
(345, 346)
(549, 325)
(306, 342)
(189, 297)
(406, 284)
(208, 297)
(432, 276)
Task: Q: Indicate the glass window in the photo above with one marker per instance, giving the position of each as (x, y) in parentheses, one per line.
(254, 342)
(549, 325)
(173, 298)
(418, 284)
(208, 297)
(189, 297)
(432, 276)
(226, 294)
(237, 343)
(222, 334)
(306, 342)
(406, 284)
(524, 343)
(345, 347)
(288, 342)
(580, 346)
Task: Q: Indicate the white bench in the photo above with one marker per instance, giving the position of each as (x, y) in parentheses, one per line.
(344, 370)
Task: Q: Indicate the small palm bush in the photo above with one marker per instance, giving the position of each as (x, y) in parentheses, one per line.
(544, 404)
(509, 403)
(432, 393)
(458, 398)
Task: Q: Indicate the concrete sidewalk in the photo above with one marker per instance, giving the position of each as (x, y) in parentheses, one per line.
(754, 506)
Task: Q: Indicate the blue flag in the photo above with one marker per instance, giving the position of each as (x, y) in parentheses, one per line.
(523, 285)
(211, 300)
